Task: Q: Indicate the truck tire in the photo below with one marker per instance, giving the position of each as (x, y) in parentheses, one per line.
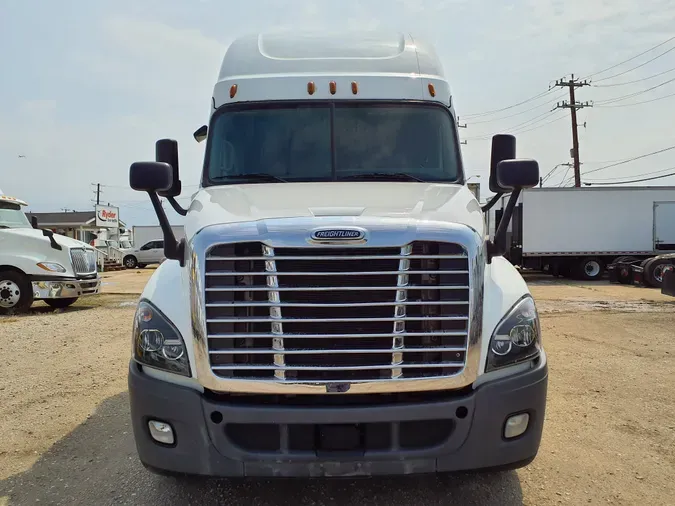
(590, 269)
(60, 303)
(653, 273)
(16, 292)
(130, 262)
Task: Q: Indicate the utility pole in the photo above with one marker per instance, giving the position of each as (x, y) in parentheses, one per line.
(97, 191)
(572, 84)
(459, 125)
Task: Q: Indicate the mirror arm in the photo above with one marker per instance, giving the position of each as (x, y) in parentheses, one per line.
(173, 249)
(491, 203)
(176, 206)
(497, 247)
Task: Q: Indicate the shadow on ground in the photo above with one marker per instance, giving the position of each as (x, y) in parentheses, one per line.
(97, 464)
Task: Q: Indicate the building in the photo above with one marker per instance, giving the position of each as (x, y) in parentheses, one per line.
(80, 225)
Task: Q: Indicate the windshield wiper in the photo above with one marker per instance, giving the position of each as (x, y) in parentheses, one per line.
(257, 176)
(401, 176)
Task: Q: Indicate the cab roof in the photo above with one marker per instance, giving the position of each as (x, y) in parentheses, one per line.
(342, 66)
(352, 53)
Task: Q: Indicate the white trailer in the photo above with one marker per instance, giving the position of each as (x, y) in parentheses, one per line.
(579, 231)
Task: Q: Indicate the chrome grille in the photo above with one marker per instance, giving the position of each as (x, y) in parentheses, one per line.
(324, 314)
(84, 261)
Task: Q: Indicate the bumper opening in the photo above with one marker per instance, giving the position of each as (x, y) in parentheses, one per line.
(326, 439)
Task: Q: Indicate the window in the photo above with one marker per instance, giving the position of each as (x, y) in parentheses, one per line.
(327, 142)
(11, 216)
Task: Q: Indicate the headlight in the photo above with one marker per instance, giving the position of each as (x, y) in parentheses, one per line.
(51, 267)
(156, 342)
(517, 338)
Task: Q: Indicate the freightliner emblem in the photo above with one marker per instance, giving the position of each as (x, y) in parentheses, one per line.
(338, 234)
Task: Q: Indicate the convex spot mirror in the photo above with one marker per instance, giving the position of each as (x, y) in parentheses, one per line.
(166, 151)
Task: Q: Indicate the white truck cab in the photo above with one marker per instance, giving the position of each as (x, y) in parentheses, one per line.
(336, 307)
(40, 265)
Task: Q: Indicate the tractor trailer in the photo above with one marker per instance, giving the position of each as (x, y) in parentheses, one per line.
(578, 232)
(335, 307)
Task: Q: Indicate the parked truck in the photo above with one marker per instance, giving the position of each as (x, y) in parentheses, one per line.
(37, 264)
(578, 232)
(335, 308)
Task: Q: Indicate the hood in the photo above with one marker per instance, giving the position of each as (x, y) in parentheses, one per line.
(32, 233)
(405, 200)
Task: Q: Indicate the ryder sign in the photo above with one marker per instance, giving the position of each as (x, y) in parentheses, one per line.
(107, 217)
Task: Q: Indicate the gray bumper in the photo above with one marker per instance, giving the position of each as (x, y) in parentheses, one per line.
(205, 442)
(66, 289)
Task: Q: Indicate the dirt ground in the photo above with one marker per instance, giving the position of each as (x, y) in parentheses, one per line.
(609, 435)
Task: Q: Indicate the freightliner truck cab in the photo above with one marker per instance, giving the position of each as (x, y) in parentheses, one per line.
(336, 307)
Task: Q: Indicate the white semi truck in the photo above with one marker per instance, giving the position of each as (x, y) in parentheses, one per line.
(335, 308)
(40, 265)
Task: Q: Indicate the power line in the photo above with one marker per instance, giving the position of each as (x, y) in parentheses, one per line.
(485, 113)
(637, 66)
(639, 103)
(623, 177)
(634, 180)
(634, 81)
(631, 95)
(628, 160)
(544, 104)
(630, 59)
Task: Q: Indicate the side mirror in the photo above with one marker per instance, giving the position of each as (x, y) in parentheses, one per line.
(154, 177)
(201, 133)
(512, 174)
(503, 148)
(151, 176)
(166, 151)
(34, 221)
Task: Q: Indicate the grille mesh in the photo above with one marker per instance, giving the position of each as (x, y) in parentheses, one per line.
(84, 261)
(337, 313)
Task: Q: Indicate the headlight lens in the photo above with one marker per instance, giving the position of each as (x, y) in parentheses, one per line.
(51, 267)
(157, 343)
(517, 338)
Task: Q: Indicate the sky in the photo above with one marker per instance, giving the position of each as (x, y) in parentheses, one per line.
(86, 88)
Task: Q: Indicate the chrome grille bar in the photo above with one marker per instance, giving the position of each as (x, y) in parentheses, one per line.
(321, 336)
(275, 312)
(238, 351)
(354, 257)
(351, 304)
(331, 288)
(334, 368)
(400, 311)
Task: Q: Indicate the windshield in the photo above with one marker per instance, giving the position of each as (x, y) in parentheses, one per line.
(326, 142)
(11, 216)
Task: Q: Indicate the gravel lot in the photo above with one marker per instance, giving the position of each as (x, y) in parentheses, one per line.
(609, 436)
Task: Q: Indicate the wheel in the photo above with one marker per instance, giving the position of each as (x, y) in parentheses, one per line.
(654, 269)
(16, 292)
(590, 269)
(60, 303)
(130, 262)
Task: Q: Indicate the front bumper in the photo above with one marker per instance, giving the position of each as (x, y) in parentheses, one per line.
(65, 288)
(287, 440)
